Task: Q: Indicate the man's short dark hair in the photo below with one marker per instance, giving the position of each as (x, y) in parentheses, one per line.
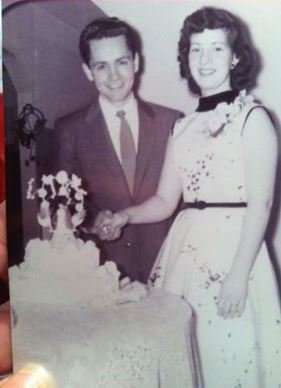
(244, 73)
(108, 27)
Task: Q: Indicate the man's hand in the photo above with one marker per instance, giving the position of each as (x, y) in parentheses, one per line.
(103, 227)
(109, 226)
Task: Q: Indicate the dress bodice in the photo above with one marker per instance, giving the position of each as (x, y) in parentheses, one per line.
(208, 152)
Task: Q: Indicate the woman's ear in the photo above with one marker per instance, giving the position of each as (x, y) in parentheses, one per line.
(234, 62)
(136, 63)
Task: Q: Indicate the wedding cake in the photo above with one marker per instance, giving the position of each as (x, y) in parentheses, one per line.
(64, 270)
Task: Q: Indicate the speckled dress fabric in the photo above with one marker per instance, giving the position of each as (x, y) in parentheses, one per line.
(243, 352)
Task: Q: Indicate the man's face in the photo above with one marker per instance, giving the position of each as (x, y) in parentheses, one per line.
(112, 68)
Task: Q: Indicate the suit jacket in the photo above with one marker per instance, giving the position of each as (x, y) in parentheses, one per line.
(85, 148)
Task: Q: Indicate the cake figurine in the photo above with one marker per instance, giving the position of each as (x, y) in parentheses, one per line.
(64, 270)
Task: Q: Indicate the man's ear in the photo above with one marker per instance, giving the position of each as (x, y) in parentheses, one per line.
(87, 72)
(136, 63)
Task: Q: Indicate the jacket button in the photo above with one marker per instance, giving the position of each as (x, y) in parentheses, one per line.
(128, 245)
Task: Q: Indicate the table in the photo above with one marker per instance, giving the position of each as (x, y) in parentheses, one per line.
(135, 345)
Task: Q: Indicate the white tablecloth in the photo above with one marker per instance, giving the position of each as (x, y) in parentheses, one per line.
(136, 345)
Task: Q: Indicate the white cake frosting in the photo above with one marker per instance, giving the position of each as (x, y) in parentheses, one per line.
(66, 276)
(64, 270)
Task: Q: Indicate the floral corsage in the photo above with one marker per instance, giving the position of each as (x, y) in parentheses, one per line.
(225, 113)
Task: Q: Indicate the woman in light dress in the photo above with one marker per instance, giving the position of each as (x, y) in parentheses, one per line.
(222, 158)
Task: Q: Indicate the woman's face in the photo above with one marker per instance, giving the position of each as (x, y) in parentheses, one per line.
(210, 59)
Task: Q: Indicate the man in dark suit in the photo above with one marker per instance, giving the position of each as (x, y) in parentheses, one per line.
(117, 144)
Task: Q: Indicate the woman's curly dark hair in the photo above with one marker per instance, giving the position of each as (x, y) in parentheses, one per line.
(243, 76)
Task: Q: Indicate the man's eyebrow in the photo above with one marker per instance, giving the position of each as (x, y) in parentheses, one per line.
(105, 62)
(98, 63)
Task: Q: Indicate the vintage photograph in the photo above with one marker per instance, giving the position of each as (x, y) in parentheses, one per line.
(142, 144)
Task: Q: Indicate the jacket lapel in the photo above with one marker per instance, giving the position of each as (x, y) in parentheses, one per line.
(102, 144)
(146, 142)
(98, 135)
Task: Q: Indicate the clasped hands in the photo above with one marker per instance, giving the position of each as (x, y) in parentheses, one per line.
(108, 226)
(234, 289)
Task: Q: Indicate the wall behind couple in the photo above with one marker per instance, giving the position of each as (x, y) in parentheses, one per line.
(159, 22)
(42, 52)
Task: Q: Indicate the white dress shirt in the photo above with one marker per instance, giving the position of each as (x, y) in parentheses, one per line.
(113, 122)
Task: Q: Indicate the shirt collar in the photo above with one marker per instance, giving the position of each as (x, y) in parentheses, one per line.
(110, 109)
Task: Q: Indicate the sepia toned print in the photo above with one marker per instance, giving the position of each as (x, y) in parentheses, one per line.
(142, 184)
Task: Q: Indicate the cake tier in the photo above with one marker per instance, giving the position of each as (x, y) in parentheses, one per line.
(70, 275)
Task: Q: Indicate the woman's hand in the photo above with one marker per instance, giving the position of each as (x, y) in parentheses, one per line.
(233, 295)
(120, 219)
(100, 227)
(108, 226)
(111, 227)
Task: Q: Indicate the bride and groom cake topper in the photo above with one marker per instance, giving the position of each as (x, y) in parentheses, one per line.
(62, 211)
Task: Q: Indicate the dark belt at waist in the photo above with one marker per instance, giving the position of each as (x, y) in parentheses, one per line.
(202, 204)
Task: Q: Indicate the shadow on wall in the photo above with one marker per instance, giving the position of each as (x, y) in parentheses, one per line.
(41, 54)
